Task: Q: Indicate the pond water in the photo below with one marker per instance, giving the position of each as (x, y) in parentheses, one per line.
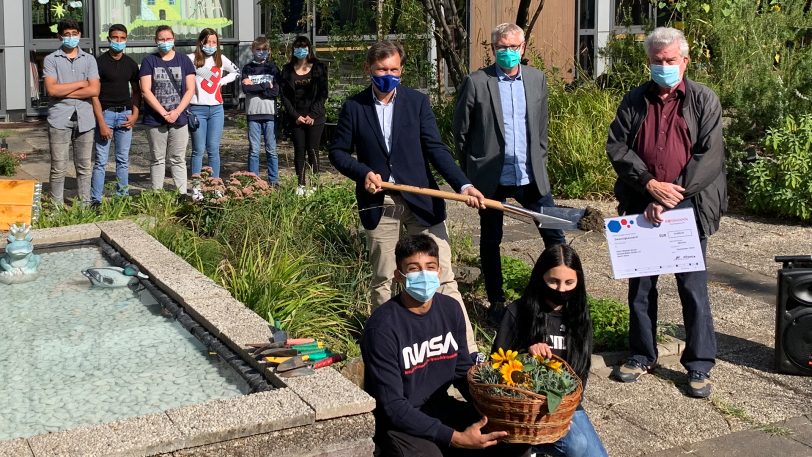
(72, 354)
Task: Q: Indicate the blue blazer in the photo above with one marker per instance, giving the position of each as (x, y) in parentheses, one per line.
(415, 143)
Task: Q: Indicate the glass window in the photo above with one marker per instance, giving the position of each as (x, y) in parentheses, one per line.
(633, 13)
(187, 17)
(355, 16)
(586, 55)
(46, 13)
(587, 14)
(292, 18)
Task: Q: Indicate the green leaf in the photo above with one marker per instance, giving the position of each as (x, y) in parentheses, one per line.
(553, 400)
(705, 7)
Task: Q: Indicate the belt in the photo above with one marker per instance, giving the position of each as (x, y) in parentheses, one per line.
(117, 109)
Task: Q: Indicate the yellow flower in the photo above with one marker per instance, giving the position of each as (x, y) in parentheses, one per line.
(555, 365)
(502, 357)
(509, 369)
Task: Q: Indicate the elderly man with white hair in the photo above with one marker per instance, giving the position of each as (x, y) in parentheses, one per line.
(666, 146)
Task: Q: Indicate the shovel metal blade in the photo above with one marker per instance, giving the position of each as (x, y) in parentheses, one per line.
(548, 217)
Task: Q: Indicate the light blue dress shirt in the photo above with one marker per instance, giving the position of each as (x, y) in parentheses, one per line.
(384, 112)
(516, 170)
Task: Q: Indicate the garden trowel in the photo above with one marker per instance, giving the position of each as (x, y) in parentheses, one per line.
(548, 218)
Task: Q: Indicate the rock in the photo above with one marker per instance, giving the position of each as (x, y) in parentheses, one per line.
(354, 371)
(465, 274)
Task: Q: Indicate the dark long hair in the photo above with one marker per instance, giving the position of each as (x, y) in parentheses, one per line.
(200, 57)
(533, 309)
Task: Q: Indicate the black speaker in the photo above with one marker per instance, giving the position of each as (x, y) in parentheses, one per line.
(793, 316)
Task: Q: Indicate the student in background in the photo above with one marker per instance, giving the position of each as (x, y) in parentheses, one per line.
(212, 71)
(167, 86)
(304, 92)
(116, 109)
(71, 80)
(261, 87)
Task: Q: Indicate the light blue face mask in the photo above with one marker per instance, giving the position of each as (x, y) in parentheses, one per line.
(118, 46)
(166, 46)
(421, 285)
(209, 50)
(665, 75)
(300, 53)
(70, 42)
(508, 58)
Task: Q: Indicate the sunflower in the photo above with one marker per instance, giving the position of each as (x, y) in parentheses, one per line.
(502, 357)
(511, 370)
(555, 365)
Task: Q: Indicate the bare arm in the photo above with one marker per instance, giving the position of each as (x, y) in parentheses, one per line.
(98, 113)
(92, 90)
(62, 90)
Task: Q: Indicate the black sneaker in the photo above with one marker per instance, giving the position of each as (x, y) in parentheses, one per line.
(630, 371)
(699, 385)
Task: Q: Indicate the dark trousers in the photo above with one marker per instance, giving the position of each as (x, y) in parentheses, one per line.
(454, 413)
(490, 221)
(306, 142)
(700, 339)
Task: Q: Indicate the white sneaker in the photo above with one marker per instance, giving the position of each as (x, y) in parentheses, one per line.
(300, 191)
(310, 191)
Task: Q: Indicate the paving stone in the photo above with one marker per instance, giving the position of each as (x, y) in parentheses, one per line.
(143, 435)
(15, 448)
(330, 394)
(231, 418)
(801, 429)
(750, 443)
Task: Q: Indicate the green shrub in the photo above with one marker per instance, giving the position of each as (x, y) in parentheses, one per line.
(8, 162)
(515, 276)
(610, 323)
(779, 181)
(579, 122)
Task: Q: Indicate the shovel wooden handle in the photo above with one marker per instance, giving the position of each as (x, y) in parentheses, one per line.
(492, 204)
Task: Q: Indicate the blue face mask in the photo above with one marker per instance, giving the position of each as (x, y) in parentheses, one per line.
(166, 46)
(508, 58)
(70, 42)
(386, 83)
(421, 285)
(665, 75)
(118, 46)
(208, 50)
(300, 53)
(260, 56)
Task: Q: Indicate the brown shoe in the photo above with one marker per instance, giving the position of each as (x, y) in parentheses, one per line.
(630, 371)
(699, 385)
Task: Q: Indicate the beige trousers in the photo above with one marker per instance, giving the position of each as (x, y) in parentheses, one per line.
(381, 244)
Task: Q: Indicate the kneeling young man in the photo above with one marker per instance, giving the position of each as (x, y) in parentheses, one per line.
(414, 348)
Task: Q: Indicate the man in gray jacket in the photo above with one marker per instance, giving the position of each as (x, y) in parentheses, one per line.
(666, 146)
(500, 132)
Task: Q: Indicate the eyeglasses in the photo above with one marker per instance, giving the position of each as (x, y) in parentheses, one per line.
(71, 35)
(512, 48)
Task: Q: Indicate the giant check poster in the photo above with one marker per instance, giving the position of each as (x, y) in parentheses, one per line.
(638, 248)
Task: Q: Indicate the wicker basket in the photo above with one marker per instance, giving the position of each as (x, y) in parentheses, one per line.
(525, 419)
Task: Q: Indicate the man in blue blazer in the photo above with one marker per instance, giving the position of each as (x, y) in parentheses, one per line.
(394, 134)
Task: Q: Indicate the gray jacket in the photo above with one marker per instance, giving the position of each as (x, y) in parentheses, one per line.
(479, 134)
(704, 177)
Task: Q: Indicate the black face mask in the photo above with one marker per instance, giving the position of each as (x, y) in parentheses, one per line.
(557, 297)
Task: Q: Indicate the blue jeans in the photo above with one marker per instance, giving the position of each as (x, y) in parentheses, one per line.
(256, 129)
(490, 223)
(580, 441)
(207, 137)
(123, 138)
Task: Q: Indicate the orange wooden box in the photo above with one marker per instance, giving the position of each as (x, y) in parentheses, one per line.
(18, 198)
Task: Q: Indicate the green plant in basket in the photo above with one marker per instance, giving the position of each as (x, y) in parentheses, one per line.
(530, 372)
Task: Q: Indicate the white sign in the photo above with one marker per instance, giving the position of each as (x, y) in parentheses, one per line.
(638, 248)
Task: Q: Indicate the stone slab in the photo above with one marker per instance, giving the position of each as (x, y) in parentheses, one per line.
(749, 443)
(349, 436)
(330, 394)
(15, 448)
(144, 435)
(801, 428)
(73, 233)
(226, 419)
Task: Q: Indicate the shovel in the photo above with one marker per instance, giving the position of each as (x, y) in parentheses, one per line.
(548, 218)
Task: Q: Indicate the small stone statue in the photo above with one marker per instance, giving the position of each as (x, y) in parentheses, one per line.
(19, 264)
